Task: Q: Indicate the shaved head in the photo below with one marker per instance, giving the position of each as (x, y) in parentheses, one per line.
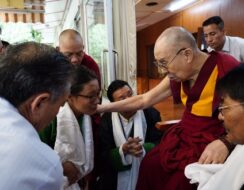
(71, 45)
(175, 37)
(70, 35)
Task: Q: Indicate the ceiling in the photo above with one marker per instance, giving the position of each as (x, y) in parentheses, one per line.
(148, 15)
(49, 14)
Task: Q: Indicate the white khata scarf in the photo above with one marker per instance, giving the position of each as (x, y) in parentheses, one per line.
(72, 144)
(127, 179)
(227, 176)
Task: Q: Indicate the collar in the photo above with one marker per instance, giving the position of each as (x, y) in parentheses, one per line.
(226, 47)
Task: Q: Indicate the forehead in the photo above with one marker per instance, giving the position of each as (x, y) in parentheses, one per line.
(210, 28)
(70, 42)
(228, 100)
(162, 50)
(91, 85)
(124, 90)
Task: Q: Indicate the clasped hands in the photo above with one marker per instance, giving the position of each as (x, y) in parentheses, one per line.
(133, 147)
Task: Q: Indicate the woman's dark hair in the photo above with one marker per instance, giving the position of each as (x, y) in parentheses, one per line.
(82, 76)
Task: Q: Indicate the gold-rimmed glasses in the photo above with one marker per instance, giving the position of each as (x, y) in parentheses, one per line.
(222, 108)
(163, 64)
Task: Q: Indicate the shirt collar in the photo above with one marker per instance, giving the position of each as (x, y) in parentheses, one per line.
(226, 47)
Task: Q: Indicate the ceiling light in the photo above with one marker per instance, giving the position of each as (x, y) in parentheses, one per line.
(179, 4)
(149, 4)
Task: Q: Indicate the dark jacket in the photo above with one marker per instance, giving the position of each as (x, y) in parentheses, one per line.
(112, 165)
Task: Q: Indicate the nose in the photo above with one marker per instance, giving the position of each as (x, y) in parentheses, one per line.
(220, 116)
(97, 101)
(209, 39)
(74, 60)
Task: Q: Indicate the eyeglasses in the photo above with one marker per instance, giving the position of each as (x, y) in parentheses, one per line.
(163, 64)
(92, 97)
(222, 108)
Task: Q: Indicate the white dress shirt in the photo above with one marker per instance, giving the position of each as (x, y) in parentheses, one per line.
(233, 46)
(26, 163)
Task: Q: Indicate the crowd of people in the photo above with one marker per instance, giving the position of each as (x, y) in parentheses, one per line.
(54, 137)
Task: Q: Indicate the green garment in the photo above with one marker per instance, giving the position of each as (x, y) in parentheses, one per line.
(116, 158)
(48, 135)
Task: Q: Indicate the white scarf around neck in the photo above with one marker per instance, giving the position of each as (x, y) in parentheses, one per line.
(72, 144)
(127, 179)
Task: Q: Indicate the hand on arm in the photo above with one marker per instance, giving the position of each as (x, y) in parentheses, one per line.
(215, 152)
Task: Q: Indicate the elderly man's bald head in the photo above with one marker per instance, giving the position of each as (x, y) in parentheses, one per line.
(175, 37)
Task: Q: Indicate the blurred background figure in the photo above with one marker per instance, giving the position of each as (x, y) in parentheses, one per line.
(216, 39)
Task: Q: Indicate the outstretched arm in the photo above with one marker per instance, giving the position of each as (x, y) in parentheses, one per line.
(153, 96)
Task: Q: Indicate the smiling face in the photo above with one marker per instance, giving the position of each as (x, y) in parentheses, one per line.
(232, 115)
(85, 102)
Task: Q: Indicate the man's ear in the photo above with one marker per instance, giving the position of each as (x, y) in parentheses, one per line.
(189, 54)
(40, 101)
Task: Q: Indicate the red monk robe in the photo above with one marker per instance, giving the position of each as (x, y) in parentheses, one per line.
(163, 167)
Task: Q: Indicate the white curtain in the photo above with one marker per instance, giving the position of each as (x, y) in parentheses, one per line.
(124, 23)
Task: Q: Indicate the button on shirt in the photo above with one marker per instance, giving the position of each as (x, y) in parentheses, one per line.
(26, 162)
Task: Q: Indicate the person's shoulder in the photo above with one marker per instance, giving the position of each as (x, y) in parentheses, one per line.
(235, 39)
(106, 116)
(88, 58)
(151, 111)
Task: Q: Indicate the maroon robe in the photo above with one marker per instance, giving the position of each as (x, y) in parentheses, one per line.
(163, 167)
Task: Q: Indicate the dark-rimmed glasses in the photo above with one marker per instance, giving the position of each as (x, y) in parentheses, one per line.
(163, 64)
(92, 97)
(222, 108)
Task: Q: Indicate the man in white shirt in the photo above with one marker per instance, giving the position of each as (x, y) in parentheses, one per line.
(216, 39)
(34, 83)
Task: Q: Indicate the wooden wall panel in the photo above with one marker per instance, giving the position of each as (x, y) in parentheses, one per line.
(232, 13)
(193, 17)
